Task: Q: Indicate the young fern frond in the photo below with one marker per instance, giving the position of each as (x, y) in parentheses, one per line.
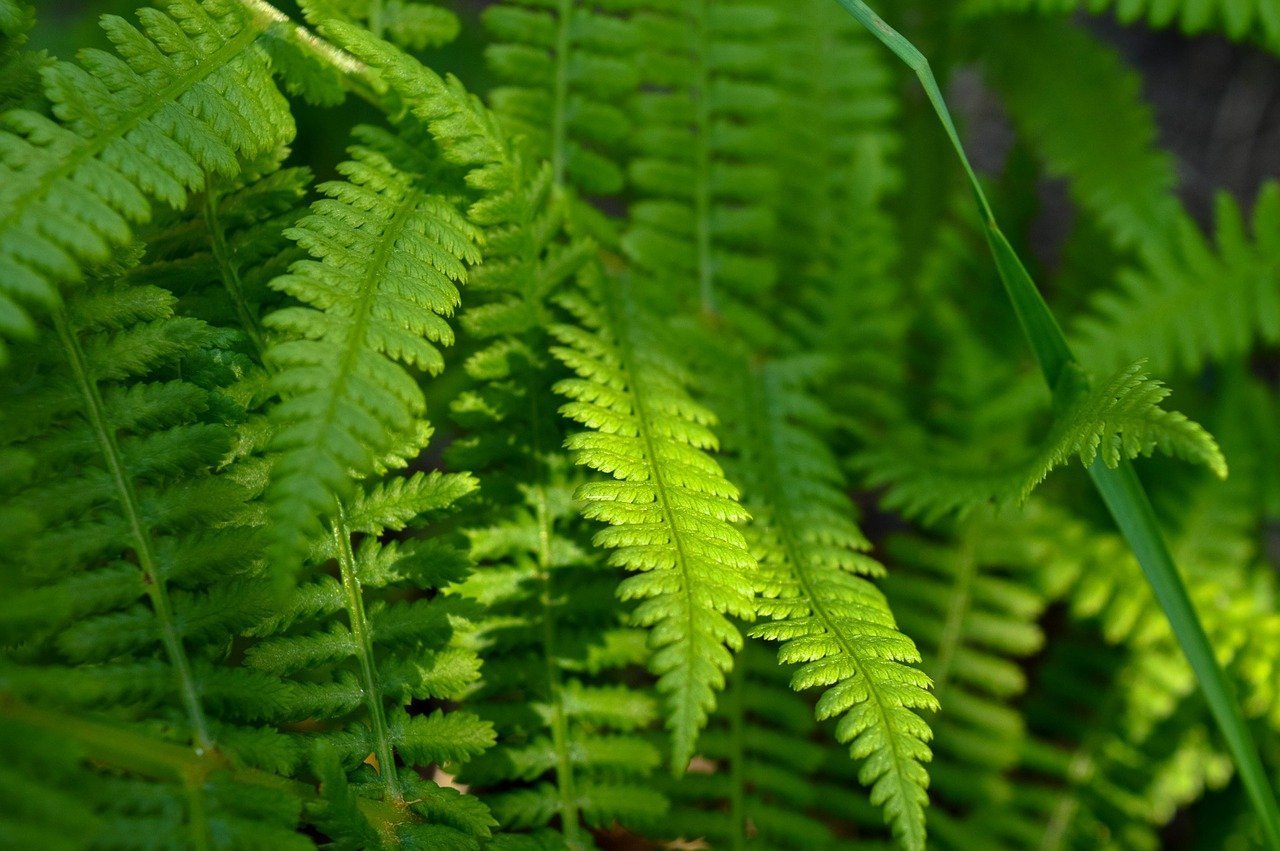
(1163, 310)
(388, 259)
(814, 586)
(669, 507)
(1120, 419)
(188, 95)
(1255, 20)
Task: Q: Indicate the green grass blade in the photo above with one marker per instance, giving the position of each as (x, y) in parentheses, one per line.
(1120, 488)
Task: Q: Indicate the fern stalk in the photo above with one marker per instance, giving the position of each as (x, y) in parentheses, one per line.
(157, 591)
(1120, 488)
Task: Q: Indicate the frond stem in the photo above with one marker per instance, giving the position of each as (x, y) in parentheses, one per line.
(157, 590)
(230, 272)
(362, 633)
(560, 97)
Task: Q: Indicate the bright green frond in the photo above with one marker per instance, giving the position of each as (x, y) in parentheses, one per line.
(1120, 419)
(814, 584)
(669, 507)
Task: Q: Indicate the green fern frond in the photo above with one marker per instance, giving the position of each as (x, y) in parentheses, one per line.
(388, 257)
(1120, 176)
(973, 612)
(566, 68)
(669, 507)
(1163, 309)
(188, 95)
(407, 24)
(760, 779)
(1120, 419)
(1254, 20)
(701, 155)
(814, 586)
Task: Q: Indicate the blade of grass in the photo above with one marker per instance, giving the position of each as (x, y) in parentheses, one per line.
(1120, 488)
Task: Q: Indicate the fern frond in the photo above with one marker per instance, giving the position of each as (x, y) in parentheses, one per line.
(1254, 20)
(188, 95)
(760, 779)
(566, 68)
(1120, 176)
(973, 612)
(669, 507)
(407, 24)
(829, 618)
(701, 157)
(1163, 309)
(387, 260)
(1120, 419)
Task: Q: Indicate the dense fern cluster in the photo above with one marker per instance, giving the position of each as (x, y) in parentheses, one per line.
(610, 427)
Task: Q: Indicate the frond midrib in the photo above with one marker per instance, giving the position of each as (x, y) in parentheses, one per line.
(773, 477)
(156, 586)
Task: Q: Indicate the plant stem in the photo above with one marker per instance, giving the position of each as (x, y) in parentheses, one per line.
(1120, 488)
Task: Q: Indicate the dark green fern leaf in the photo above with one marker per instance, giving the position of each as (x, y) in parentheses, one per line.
(188, 95)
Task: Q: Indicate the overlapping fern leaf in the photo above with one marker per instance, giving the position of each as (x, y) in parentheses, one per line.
(1163, 310)
(188, 95)
(1119, 419)
(347, 654)
(388, 256)
(120, 605)
(669, 507)
(571, 751)
(815, 589)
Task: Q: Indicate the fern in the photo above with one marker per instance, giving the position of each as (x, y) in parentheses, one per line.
(669, 506)
(186, 96)
(1256, 20)
(762, 766)
(1120, 176)
(1118, 420)
(1164, 310)
(825, 613)
(388, 257)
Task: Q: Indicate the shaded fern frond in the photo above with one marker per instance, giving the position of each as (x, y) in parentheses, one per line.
(972, 610)
(345, 656)
(1120, 176)
(1120, 419)
(1255, 20)
(388, 258)
(669, 507)
(827, 615)
(701, 157)
(188, 95)
(1164, 311)
(566, 68)
(760, 779)
(570, 730)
